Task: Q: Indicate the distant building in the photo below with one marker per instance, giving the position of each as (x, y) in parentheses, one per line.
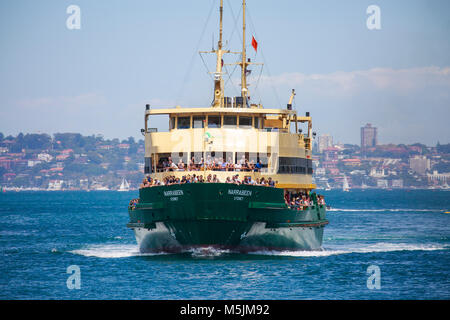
(439, 178)
(382, 183)
(368, 136)
(320, 171)
(331, 154)
(397, 183)
(44, 157)
(324, 141)
(419, 164)
(32, 163)
(55, 185)
(377, 173)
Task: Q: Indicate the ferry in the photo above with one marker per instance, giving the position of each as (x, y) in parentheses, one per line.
(233, 175)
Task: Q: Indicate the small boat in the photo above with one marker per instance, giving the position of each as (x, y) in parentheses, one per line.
(124, 186)
(345, 186)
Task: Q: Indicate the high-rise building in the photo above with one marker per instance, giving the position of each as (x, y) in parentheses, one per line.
(419, 164)
(368, 136)
(324, 141)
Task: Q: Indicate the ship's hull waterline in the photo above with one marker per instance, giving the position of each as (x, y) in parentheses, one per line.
(238, 217)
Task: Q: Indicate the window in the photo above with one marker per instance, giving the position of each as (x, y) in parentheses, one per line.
(172, 123)
(184, 122)
(257, 123)
(295, 165)
(213, 121)
(229, 121)
(148, 168)
(245, 122)
(198, 122)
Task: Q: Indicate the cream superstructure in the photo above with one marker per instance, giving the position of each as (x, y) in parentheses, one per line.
(232, 130)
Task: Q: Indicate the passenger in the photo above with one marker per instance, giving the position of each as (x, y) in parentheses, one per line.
(208, 160)
(251, 166)
(224, 166)
(191, 166)
(229, 166)
(180, 166)
(165, 165)
(201, 164)
(242, 161)
(258, 166)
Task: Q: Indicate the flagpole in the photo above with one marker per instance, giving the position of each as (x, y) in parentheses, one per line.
(244, 91)
(218, 81)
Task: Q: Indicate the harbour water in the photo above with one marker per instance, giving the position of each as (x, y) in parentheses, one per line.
(406, 234)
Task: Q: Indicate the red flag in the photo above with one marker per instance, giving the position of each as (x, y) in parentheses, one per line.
(254, 44)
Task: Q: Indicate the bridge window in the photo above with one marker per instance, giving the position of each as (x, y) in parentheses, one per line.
(291, 165)
(213, 121)
(198, 121)
(229, 121)
(184, 122)
(245, 122)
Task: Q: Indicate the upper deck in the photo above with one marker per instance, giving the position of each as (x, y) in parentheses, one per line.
(232, 133)
(246, 138)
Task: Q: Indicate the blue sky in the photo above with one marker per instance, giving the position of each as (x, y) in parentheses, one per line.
(97, 80)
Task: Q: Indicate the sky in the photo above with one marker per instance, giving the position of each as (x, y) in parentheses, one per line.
(98, 78)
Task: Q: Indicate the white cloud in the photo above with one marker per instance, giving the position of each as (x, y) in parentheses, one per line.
(341, 83)
(408, 105)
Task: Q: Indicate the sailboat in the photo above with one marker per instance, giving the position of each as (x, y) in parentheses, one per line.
(345, 186)
(124, 186)
(328, 188)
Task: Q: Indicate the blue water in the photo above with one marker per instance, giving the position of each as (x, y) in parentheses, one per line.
(405, 233)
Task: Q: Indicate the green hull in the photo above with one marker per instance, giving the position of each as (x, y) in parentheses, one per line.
(239, 217)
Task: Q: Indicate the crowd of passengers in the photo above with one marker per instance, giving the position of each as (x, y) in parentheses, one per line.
(301, 199)
(211, 178)
(296, 201)
(216, 164)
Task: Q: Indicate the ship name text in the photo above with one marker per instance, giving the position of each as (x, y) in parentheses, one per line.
(173, 193)
(235, 192)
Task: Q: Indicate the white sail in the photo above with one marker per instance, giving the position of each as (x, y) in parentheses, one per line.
(345, 186)
(124, 186)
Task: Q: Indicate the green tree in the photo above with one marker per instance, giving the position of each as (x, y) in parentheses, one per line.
(37, 141)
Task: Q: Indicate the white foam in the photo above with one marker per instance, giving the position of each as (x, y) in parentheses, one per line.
(112, 251)
(130, 250)
(378, 247)
(207, 252)
(384, 210)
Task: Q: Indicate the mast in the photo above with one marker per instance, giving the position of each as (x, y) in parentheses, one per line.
(218, 81)
(244, 90)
